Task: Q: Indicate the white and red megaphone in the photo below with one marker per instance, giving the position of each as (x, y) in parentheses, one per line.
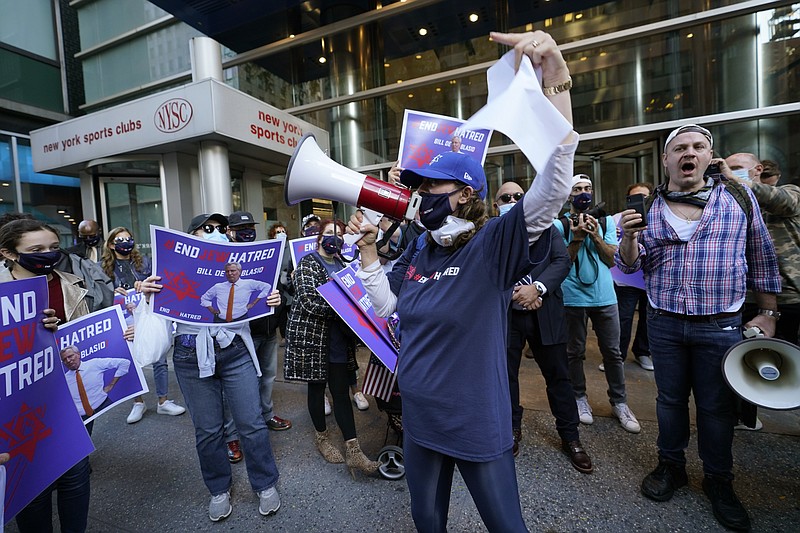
(312, 174)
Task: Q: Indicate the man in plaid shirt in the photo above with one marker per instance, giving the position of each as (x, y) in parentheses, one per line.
(700, 252)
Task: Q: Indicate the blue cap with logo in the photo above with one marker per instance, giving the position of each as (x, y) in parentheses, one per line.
(450, 166)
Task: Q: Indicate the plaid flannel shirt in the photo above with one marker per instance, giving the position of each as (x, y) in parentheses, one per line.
(713, 269)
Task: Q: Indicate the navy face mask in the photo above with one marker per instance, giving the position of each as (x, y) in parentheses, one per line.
(39, 263)
(124, 247)
(245, 235)
(435, 208)
(92, 240)
(582, 201)
(332, 244)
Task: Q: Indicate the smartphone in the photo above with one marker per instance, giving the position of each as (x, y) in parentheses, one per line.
(712, 170)
(637, 202)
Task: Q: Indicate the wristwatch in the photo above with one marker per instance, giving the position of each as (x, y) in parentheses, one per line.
(540, 287)
(560, 88)
(770, 312)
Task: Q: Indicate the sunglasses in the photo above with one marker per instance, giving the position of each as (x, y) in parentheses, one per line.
(505, 198)
(123, 239)
(208, 228)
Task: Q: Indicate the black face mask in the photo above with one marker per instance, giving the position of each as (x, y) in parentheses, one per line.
(332, 244)
(39, 263)
(435, 208)
(244, 235)
(124, 247)
(92, 240)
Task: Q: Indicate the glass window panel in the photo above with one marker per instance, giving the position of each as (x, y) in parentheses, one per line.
(138, 62)
(102, 20)
(31, 28)
(28, 81)
(135, 205)
(7, 187)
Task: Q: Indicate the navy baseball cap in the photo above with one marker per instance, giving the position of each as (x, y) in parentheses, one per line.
(241, 218)
(450, 166)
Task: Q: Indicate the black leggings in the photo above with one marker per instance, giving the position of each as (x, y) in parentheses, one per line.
(339, 383)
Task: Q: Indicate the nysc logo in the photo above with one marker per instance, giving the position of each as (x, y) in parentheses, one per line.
(173, 115)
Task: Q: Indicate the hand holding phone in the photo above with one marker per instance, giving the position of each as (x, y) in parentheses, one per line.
(637, 203)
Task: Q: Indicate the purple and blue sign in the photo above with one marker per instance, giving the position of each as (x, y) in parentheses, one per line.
(197, 276)
(104, 364)
(426, 135)
(39, 425)
(303, 246)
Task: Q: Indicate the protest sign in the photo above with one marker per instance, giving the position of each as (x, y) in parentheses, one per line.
(355, 318)
(103, 363)
(426, 135)
(197, 281)
(128, 303)
(354, 289)
(39, 426)
(303, 246)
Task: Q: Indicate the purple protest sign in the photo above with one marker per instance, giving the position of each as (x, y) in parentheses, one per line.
(39, 426)
(128, 303)
(354, 317)
(93, 349)
(425, 135)
(197, 276)
(352, 287)
(303, 246)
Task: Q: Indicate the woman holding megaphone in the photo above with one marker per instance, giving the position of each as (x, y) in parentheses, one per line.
(452, 295)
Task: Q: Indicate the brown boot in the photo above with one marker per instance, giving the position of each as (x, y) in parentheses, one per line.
(356, 460)
(328, 451)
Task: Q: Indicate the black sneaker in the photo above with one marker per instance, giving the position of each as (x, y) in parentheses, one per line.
(517, 437)
(661, 483)
(728, 510)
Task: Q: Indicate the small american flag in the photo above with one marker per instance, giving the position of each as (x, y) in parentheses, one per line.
(378, 380)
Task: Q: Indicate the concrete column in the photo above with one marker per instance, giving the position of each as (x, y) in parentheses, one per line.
(212, 156)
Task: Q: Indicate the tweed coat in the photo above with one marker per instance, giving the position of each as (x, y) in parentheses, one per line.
(308, 329)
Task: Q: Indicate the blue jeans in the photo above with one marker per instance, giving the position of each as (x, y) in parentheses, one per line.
(73, 503)
(161, 376)
(605, 322)
(235, 375)
(267, 354)
(687, 357)
(492, 485)
(627, 300)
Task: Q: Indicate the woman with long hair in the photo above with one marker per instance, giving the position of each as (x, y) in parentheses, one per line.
(452, 296)
(123, 263)
(320, 349)
(31, 248)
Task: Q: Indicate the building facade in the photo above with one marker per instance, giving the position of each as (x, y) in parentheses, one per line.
(353, 68)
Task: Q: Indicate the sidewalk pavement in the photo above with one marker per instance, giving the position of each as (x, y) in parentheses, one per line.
(146, 475)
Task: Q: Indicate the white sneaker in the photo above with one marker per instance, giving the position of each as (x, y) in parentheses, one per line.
(220, 507)
(137, 412)
(601, 367)
(645, 362)
(328, 409)
(170, 408)
(584, 410)
(740, 425)
(361, 401)
(626, 417)
(269, 501)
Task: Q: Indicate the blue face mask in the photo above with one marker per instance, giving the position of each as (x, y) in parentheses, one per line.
(245, 235)
(332, 244)
(435, 208)
(742, 174)
(505, 208)
(39, 263)
(216, 236)
(124, 247)
(582, 201)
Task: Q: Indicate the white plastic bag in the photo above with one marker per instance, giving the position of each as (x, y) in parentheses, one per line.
(152, 337)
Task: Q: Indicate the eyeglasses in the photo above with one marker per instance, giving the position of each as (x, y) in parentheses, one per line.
(208, 228)
(505, 198)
